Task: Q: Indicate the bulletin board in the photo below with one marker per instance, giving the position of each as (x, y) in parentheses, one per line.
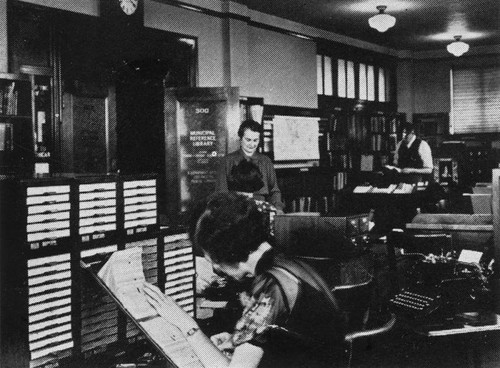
(295, 138)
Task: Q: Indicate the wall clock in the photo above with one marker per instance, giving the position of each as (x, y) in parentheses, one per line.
(129, 6)
(123, 12)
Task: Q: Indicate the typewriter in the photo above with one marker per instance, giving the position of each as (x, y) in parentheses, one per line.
(440, 287)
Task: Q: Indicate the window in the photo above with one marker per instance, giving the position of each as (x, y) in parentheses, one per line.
(319, 73)
(351, 85)
(475, 100)
(363, 83)
(371, 82)
(342, 80)
(352, 80)
(324, 75)
(328, 76)
(381, 85)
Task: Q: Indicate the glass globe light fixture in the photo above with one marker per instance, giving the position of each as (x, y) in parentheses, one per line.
(457, 48)
(382, 21)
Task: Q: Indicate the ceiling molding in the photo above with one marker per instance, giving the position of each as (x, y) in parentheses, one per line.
(443, 54)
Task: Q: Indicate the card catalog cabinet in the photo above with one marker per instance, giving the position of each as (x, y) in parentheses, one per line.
(150, 266)
(48, 214)
(97, 216)
(99, 313)
(140, 206)
(36, 273)
(49, 307)
(180, 271)
(52, 313)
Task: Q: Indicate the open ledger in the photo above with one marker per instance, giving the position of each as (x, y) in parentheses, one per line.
(123, 278)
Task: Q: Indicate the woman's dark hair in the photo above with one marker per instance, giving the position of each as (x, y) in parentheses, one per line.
(249, 124)
(408, 127)
(245, 177)
(228, 227)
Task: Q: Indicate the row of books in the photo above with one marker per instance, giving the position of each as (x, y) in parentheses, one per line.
(339, 180)
(337, 160)
(379, 142)
(310, 204)
(8, 98)
(383, 124)
(375, 123)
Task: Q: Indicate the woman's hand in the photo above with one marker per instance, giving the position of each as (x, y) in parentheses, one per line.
(223, 342)
(169, 309)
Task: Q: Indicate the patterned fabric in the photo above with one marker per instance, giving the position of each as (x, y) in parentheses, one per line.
(254, 320)
(270, 211)
(309, 315)
(269, 192)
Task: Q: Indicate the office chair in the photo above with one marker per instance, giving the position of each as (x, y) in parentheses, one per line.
(355, 301)
(355, 297)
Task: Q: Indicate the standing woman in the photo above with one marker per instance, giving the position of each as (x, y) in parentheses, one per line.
(249, 133)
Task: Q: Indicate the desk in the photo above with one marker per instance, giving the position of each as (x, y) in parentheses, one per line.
(450, 227)
(465, 329)
(391, 210)
(477, 346)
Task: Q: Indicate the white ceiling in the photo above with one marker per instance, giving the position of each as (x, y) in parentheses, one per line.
(421, 25)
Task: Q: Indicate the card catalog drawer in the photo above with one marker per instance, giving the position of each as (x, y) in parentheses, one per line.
(51, 350)
(57, 312)
(178, 275)
(47, 200)
(140, 207)
(134, 184)
(49, 190)
(96, 196)
(59, 321)
(33, 336)
(44, 288)
(97, 220)
(97, 229)
(142, 222)
(140, 215)
(48, 278)
(48, 261)
(49, 235)
(98, 204)
(139, 192)
(49, 208)
(178, 252)
(97, 187)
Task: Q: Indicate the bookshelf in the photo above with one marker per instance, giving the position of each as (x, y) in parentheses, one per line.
(359, 141)
(353, 144)
(15, 124)
(26, 122)
(432, 127)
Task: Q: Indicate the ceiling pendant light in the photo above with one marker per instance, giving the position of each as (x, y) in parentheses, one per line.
(382, 22)
(457, 48)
